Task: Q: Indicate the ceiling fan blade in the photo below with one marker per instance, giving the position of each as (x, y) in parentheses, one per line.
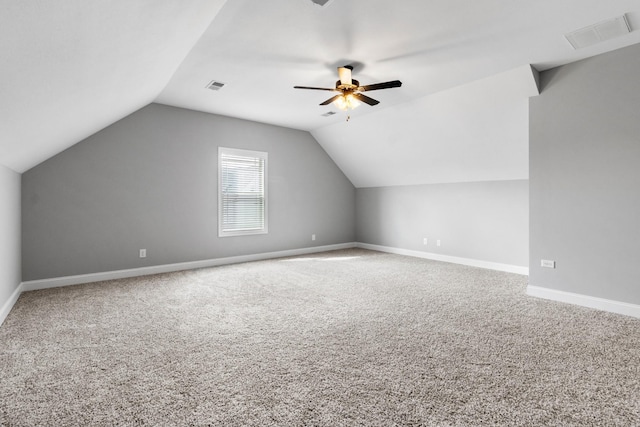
(314, 88)
(385, 85)
(330, 100)
(344, 73)
(364, 98)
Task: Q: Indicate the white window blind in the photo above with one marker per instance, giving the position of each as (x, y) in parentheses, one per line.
(242, 192)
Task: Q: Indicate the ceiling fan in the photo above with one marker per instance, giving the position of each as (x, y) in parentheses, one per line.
(350, 90)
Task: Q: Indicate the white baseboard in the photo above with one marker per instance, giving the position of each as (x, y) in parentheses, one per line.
(585, 301)
(8, 305)
(447, 258)
(55, 282)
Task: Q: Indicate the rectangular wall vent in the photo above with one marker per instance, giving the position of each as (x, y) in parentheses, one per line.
(597, 33)
(214, 85)
(330, 113)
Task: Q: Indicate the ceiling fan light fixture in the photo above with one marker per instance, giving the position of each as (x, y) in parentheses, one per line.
(346, 102)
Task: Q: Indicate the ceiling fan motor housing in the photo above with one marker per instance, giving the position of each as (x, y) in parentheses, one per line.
(353, 86)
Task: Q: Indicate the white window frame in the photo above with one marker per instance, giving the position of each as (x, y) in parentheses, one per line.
(241, 153)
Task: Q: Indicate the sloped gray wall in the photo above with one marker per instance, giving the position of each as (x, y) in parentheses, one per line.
(585, 177)
(150, 181)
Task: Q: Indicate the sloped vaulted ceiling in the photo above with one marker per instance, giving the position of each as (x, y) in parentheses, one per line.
(70, 68)
(474, 132)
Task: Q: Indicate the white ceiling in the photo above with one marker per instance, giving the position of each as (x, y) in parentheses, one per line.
(474, 132)
(70, 68)
(75, 67)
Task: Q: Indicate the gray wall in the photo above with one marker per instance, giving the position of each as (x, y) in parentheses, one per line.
(10, 276)
(485, 221)
(585, 177)
(150, 181)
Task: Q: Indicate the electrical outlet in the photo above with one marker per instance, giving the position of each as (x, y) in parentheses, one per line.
(547, 263)
(437, 242)
(313, 237)
(424, 241)
(143, 253)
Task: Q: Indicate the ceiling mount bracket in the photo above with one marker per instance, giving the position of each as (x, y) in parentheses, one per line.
(321, 3)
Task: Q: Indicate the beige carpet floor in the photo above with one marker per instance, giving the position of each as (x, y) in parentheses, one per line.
(346, 338)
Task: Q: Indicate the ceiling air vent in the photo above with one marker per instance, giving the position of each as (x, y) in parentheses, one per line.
(330, 113)
(596, 33)
(214, 85)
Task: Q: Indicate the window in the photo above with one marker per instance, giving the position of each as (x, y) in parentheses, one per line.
(242, 192)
